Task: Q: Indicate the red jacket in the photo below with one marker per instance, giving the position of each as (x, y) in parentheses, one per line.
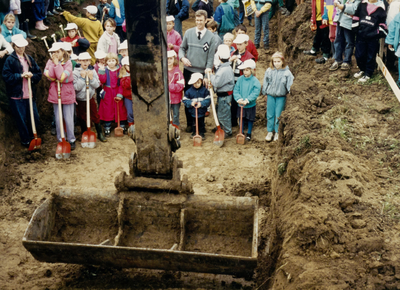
(175, 89)
(126, 87)
(250, 48)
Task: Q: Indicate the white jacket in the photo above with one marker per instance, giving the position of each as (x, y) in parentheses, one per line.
(105, 41)
(5, 44)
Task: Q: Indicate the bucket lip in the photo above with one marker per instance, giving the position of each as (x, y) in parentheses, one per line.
(27, 242)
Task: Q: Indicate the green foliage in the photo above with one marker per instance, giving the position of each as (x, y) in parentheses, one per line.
(304, 144)
(282, 168)
(342, 127)
(390, 207)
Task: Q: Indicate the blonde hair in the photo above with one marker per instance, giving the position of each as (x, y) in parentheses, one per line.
(279, 55)
(112, 55)
(229, 36)
(122, 72)
(9, 16)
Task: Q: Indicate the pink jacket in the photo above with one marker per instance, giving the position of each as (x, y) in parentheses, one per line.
(175, 90)
(63, 73)
(174, 38)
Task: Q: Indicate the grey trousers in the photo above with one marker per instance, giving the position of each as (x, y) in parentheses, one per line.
(68, 115)
(224, 113)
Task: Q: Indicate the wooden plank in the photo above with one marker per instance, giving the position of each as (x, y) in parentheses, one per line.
(388, 77)
(183, 231)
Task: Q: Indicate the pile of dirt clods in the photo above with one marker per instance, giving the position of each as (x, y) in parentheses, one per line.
(333, 206)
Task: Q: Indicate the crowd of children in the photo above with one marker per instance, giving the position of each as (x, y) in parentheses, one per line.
(217, 54)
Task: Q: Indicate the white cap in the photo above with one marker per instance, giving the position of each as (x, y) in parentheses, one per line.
(74, 56)
(194, 78)
(56, 46)
(67, 46)
(240, 38)
(91, 9)
(100, 54)
(171, 53)
(123, 45)
(84, 55)
(170, 18)
(125, 60)
(223, 51)
(248, 64)
(71, 26)
(19, 40)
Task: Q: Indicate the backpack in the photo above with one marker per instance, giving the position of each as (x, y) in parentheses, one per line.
(227, 22)
(172, 9)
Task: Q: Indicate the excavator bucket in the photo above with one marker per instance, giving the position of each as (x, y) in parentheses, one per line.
(154, 220)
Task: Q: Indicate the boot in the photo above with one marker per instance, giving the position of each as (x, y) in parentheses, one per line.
(131, 129)
(25, 27)
(100, 134)
(250, 23)
(83, 126)
(40, 25)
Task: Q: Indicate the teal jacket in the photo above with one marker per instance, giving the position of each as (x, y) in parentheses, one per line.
(7, 35)
(247, 88)
(393, 36)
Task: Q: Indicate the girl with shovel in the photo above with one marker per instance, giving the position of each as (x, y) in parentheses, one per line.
(59, 71)
(18, 70)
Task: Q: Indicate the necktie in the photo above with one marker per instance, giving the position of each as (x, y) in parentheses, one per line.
(199, 35)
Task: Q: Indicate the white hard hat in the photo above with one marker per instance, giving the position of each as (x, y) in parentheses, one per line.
(19, 40)
(57, 46)
(171, 53)
(241, 38)
(84, 56)
(100, 54)
(125, 60)
(123, 45)
(194, 78)
(67, 46)
(223, 51)
(248, 64)
(71, 26)
(170, 18)
(91, 9)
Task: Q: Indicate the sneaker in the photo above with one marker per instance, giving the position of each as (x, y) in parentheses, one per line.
(284, 11)
(107, 132)
(125, 130)
(53, 131)
(345, 66)
(251, 23)
(55, 12)
(359, 74)
(310, 52)
(335, 66)
(257, 45)
(203, 137)
(59, 9)
(228, 135)
(321, 60)
(269, 136)
(276, 137)
(72, 145)
(364, 79)
(49, 13)
(188, 129)
(248, 137)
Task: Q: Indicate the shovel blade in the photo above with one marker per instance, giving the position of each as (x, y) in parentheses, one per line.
(88, 139)
(63, 150)
(219, 137)
(35, 144)
(118, 132)
(197, 141)
(240, 139)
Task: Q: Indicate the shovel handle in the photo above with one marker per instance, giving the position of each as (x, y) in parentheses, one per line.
(212, 103)
(31, 107)
(60, 110)
(87, 102)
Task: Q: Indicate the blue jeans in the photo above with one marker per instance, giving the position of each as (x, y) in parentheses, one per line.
(21, 114)
(57, 3)
(175, 113)
(224, 113)
(129, 110)
(263, 22)
(344, 44)
(366, 50)
(275, 106)
(178, 26)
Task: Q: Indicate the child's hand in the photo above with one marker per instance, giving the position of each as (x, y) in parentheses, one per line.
(101, 66)
(90, 74)
(117, 99)
(324, 22)
(197, 105)
(83, 73)
(73, 43)
(171, 46)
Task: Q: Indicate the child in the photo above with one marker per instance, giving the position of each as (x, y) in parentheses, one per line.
(206, 6)
(8, 28)
(246, 91)
(174, 39)
(59, 69)
(80, 74)
(176, 85)
(197, 96)
(109, 41)
(213, 26)
(392, 39)
(321, 38)
(126, 91)
(223, 82)
(237, 58)
(123, 50)
(102, 11)
(112, 98)
(261, 21)
(372, 16)
(100, 59)
(79, 44)
(228, 40)
(19, 68)
(90, 27)
(224, 16)
(277, 82)
(241, 29)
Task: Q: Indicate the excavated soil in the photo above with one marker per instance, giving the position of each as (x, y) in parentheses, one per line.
(328, 189)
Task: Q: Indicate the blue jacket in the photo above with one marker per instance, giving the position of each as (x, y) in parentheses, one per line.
(201, 95)
(12, 71)
(183, 11)
(393, 36)
(247, 89)
(277, 82)
(7, 35)
(224, 23)
(112, 12)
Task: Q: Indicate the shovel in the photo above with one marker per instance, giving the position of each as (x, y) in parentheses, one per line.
(88, 137)
(197, 138)
(219, 134)
(37, 142)
(240, 135)
(118, 132)
(63, 150)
